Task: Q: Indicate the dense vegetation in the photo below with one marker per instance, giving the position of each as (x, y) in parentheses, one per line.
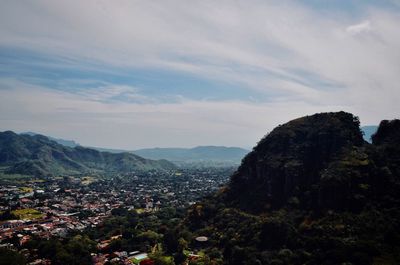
(311, 192)
(125, 230)
(39, 156)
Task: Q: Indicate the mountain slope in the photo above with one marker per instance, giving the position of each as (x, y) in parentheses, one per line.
(72, 143)
(311, 192)
(68, 143)
(38, 155)
(291, 158)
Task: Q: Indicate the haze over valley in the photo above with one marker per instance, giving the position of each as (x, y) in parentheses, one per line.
(200, 132)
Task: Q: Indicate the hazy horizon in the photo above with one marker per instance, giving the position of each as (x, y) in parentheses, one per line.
(129, 150)
(139, 74)
(249, 148)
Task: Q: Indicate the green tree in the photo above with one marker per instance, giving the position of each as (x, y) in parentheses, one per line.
(8, 257)
(159, 259)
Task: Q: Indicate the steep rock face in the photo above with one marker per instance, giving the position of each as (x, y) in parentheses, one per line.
(387, 133)
(387, 143)
(311, 192)
(286, 165)
(365, 175)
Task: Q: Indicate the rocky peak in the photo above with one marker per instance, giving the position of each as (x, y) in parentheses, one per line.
(388, 132)
(288, 162)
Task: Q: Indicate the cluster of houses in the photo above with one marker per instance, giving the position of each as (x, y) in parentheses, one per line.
(61, 211)
(57, 211)
(55, 207)
(123, 257)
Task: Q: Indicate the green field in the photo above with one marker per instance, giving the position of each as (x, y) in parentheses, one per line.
(11, 178)
(140, 210)
(26, 189)
(88, 180)
(27, 214)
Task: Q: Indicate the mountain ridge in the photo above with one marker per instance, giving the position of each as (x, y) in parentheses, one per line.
(68, 143)
(312, 191)
(40, 156)
(293, 155)
(195, 154)
(198, 156)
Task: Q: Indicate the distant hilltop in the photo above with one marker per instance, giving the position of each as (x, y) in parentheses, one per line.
(196, 154)
(37, 155)
(368, 131)
(202, 156)
(69, 143)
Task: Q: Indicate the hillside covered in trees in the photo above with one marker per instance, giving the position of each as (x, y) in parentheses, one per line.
(311, 192)
(37, 155)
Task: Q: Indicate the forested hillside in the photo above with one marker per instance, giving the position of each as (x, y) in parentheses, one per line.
(37, 155)
(311, 192)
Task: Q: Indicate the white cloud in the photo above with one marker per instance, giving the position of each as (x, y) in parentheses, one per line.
(221, 40)
(280, 48)
(110, 92)
(136, 125)
(364, 26)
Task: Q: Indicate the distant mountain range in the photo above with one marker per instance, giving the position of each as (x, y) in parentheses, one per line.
(197, 156)
(37, 155)
(200, 154)
(68, 143)
(368, 132)
(72, 143)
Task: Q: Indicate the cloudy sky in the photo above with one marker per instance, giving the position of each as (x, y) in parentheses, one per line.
(132, 74)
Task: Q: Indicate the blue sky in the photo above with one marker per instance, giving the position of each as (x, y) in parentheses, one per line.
(133, 74)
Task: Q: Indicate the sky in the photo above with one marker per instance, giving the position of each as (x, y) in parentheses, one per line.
(132, 74)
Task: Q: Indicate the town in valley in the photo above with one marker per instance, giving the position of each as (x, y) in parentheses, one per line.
(57, 207)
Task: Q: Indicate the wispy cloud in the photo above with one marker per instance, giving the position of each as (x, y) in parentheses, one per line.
(134, 125)
(114, 93)
(189, 58)
(364, 26)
